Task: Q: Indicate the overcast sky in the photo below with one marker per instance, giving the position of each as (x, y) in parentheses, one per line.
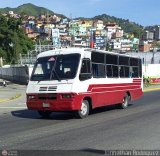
(144, 12)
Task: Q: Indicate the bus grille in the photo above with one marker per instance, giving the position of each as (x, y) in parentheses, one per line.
(43, 89)
(50, 88)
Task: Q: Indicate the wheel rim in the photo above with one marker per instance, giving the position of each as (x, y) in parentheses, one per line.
(84, 109)
(125, 102)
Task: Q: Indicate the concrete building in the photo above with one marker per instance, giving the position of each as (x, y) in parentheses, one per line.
(74, 28)
(113, 31)
(118, 34)
(126, 44)
(98, 24)
(157, 32)
(144, 46)
(148, 35)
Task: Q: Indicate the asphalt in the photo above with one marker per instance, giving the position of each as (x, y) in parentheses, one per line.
(106, 128)
(109, 128)
(14, 95)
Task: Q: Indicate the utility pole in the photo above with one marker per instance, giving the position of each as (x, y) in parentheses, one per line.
(154, 51)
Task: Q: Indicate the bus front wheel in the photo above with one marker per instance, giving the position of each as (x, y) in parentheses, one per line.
(84, 111)
(44, 114)
(125, 102)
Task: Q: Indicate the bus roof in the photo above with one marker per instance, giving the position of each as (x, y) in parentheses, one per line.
(77, 50)
(109, 52)
(61, 51)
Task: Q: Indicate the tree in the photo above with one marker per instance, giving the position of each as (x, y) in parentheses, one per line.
(13, 40)
(156, 44)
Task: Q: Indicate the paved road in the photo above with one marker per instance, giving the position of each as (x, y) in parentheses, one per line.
(137, 127)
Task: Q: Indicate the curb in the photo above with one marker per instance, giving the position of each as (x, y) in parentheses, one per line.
(12, 98)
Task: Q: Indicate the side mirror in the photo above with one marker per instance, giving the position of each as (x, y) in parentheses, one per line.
(85, 76)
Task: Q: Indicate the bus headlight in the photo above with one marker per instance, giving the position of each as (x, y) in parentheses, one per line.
(30, 97)
(67, 96)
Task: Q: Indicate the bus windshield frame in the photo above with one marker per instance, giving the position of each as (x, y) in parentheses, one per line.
(56, 67)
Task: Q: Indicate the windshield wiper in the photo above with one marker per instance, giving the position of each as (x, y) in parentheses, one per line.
(54, 71)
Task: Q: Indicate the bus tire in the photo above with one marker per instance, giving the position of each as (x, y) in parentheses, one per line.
(84, 111)
(125, 102)
(44, 114)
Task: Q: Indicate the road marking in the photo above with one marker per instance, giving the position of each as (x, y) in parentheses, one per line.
(12, 107)
(3, 100)
(12, 98)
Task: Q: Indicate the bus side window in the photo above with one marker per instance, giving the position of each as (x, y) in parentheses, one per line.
(109, 71)
(135, 72)
(130, 72)
(126, 72)
(115, 71)
(121, 71)
(98, 70)
(85, 70)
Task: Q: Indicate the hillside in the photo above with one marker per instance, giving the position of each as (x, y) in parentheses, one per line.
(127, 26)
(29, 9)
(33, 10)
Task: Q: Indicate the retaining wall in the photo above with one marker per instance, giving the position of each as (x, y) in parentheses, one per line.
(18, 74)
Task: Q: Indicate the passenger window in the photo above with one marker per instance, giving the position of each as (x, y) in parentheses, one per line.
(135, 72)
(109, 71)
(97, 57)
(111, 59)
(123, 60)
(115, 71)
(121, 71)
(98, 70)
(126, 71)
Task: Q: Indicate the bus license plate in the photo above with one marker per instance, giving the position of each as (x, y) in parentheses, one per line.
(46, 105)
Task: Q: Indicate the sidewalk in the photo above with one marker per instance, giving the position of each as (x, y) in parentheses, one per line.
(151, 87)
(7, 94)
(11, 91)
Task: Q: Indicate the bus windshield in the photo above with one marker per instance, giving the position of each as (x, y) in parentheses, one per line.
(57, 67)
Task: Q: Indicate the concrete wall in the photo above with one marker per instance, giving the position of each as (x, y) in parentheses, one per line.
(19, 74)
(151, 70)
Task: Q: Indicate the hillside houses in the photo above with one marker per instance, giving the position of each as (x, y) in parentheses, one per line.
(54, 30)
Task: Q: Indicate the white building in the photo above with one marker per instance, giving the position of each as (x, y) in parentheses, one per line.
(157, 32)
(114, 31)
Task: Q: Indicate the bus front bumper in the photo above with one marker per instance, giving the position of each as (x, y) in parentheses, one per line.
(58, 102)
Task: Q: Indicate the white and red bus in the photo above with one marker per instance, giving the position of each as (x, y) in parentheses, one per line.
(81, 79)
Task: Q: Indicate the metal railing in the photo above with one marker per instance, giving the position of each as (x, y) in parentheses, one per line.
(30, 58)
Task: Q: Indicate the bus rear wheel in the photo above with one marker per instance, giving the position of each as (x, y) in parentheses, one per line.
(44, 114)
(84, 111)
(125, 102)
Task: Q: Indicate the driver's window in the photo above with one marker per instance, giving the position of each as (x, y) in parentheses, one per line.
(85, 70)
(86, 67)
